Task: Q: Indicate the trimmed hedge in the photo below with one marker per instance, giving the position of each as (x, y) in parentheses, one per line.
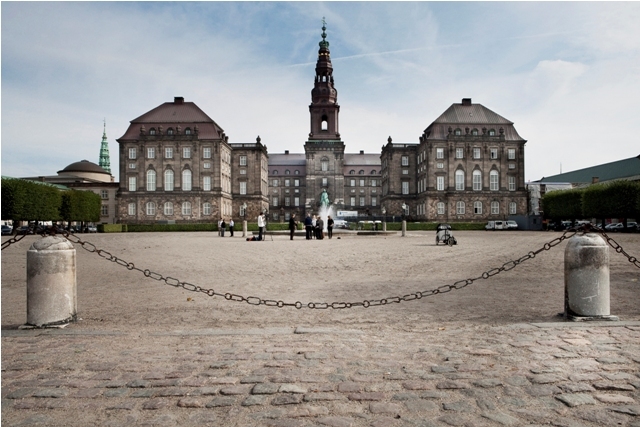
(431, 226)
(112, 228)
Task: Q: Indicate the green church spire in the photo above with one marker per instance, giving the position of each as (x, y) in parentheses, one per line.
(105, 163)
(324, 43)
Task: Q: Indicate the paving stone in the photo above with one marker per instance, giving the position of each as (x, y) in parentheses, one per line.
(221, 401)
(417, 385)
(453, 420)
(614, 398)
(349, 387)
(204, 391)
(254, 379)
(173, 391)
(605, 385)
(443, 369)
(126, 405)
(316, 397)
(87, 393)
(513, 401)
(460, 406)
(421, 405)
(50, 392)
(517, 380)
(452, 385)
(384, 408)
(190, 402)
(576, 399)
(578, 341)
(265, 388)
(143, 393)
(602, 417)
(254, 400)
(291, 388)
(366, 396)
(488, 382)
(116, 392)
(585, 377)
(627, 409)
(236, 389)
(576, 387)
(612, 360)
(20, 393)
(618, 376)
(432, 394)
(501, 418)
(139, 384)
(316, 356)
(546, 379)
(385, 422)
(335, 421)
(223, 380)
(542, 390)
(287, 399)
(154, 404)
(486, 404)
(405, 396)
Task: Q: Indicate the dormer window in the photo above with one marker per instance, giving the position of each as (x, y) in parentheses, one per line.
(187, 131)
(457, 132)
(474, 132)
(492, 132)
(152, 131)
(170, 131)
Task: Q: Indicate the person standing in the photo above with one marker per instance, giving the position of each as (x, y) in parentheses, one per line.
(308, 226)
(314, 231)
(329, 226)
(261, 224)
(319, 228)
(293, 225)
(231, 225)
(219, 226)
(223, 225)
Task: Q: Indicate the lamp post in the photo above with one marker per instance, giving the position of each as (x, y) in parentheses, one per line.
(404, 221)
(384, 219)
(244, 219)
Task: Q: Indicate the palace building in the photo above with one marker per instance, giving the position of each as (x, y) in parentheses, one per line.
(178, 165)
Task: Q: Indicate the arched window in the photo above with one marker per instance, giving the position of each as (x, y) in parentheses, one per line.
(324, 164)
(474, 132)
(494, 183)
(168, 208)
(460, 208)
(206, 208)
(492, 132)
(352, 172)
(361, 172)
(457, 132)
(513, 208)
(152, 131)
(168, 180)
(477, 208)
(477, 180)
(459, 179)
(296, 172)
(324, 126)
(373, 172)
(186, 180)
(495, 208)
(186, 208)
(170, 131)
(287, 172)
(275, 172)
(151, 180)
(187, 131)
(151, 208)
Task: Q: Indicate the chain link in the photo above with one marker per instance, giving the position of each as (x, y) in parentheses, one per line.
(253, 300)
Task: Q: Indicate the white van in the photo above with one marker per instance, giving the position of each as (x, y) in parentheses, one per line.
(495, 225)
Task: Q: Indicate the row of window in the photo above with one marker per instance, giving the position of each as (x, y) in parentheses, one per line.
(169, 181)
(286, 172)
(170, 131)
(475, 132)
(476, 154)
(168, 208)
(275, 201)
(461, 208)
(186, 154)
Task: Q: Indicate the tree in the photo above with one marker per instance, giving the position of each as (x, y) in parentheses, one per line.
(29, 201)
(564, 204)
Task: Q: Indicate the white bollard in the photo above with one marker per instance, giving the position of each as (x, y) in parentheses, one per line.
(586, 278)
(244, 228)
(51, 283)
(404, 227)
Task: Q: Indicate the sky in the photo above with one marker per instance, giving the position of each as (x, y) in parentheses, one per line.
(567, 74)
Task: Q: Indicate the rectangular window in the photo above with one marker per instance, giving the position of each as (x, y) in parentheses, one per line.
(477, 181)
(186, 152)
(168, 152)
(296, 182)
(459, 180)
(460, 208)
(287, 201)
(275, 183)
(493, 181)
(132, 165)
(511, 152)
(104, 194)
(362, 183)
(151, 153)
(440, 208)
(439, 153)
(104, 210)
(495, 208)
(296, 201)
(405, 160)
(132, 153)
(374, 201)
(476, 153)
(206, 209)
(405, 187)
(274, 202)
(243, 171)
(477, 208)
(440, 183)
(131, 210)
(325, 182)
(151, 181)
(352, 183)
(132, 183)
(439, 165)
(151, 208)
(168, 208)
(512, 208)
(405, 171)
(287, 182)
(206, 183)
(243, 188)
(207, 165)
(361, 201)
(353, 201)
(206, 152)
(512, 183)
(243, 160)
(374, 182)
(494, 153)
(459, 153)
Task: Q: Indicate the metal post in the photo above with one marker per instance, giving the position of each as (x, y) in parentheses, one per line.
(404, 227)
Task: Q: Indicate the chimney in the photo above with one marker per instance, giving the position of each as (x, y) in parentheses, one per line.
(466, 101)
(178, 100)
(595, 180)
(361, 151)
(286, 151)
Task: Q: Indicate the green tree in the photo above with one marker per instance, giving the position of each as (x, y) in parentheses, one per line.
(563, 204)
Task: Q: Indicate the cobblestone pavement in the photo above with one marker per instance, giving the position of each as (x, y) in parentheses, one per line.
(561, 374)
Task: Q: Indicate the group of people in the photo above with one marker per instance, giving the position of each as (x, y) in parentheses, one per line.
(314, 227)
(222, 226)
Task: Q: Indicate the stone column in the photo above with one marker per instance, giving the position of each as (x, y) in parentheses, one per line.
(404, 227)
(51, 283)
(244, 228)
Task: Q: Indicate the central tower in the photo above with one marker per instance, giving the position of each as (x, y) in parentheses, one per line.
(324, 150)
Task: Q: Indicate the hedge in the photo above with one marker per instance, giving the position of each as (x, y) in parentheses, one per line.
(112, 228)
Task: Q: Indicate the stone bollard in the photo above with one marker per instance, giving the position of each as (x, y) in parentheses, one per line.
(384, 226)
(586, 279)
(404, 227)
(51, 283)
(244, 228)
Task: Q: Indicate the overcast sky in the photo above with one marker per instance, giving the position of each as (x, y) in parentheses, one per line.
(567, 74)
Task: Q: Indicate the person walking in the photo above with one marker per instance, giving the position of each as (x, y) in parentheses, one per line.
(293, 225)
(261, 225)
(223, 225)
(308, 226)
(329, 226)
(231, 225)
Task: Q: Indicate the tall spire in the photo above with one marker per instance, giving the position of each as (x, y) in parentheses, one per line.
(105, 162)
(324, 106)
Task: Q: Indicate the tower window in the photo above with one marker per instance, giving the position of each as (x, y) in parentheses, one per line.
(325, 123)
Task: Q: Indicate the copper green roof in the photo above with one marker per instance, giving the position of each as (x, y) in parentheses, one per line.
(622, 169)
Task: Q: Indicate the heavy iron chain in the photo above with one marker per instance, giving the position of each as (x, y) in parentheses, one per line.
(12, 240)
(252, 300)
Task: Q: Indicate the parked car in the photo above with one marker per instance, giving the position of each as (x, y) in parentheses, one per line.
(91, 229)
(512, 225)
(495, 225)
(24, 229)
(6, 230)
(340, 223)
(614, 227)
